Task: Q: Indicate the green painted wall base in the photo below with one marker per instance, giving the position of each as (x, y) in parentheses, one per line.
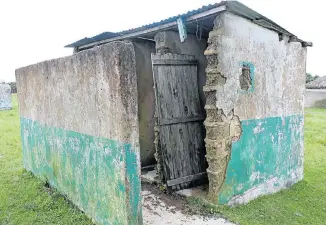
(267, 158)
(97, 174)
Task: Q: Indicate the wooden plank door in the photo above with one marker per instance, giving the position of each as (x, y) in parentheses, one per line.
(180, 118)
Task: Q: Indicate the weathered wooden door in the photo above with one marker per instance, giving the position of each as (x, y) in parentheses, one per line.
(180, 118)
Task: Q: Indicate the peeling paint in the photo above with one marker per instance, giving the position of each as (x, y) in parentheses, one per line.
(219, 138)
(254, 137)
(133, 180)
(221, 129)
(80, 129)
(89, 170)
(264, 162)
(252, 76)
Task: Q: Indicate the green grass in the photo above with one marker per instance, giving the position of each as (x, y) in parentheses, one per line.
(305, 202)
(25, 199)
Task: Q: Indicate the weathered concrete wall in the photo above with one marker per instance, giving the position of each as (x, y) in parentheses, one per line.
(5, 97)
(146, 99)
(254, 131)
(79, 129)
(315, 98)
(169, 41)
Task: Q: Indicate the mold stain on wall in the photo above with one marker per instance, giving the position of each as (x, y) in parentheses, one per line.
(99, 175)
(80, 129)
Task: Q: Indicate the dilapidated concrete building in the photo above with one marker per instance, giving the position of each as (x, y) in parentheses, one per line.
(5, 96)
(214, 96)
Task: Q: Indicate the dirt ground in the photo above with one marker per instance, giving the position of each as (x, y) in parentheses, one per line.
(160, 208)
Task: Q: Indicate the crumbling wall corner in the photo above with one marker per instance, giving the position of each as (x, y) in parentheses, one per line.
(221, 129)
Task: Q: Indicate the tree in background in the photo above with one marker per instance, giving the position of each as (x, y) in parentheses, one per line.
(13, 87)
(310, 77)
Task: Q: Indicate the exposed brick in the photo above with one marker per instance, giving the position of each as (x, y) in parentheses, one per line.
(219, 134)
(210, 97)
(212, 59)
(218, 131)
(215, 79)
(213, 115)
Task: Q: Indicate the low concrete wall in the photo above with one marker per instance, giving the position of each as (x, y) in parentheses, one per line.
(5, 97)
(315, 98)
(79, 129)
(146, 100)
(254, 136)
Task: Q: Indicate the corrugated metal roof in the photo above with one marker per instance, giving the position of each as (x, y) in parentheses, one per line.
(173, 18)
(231, 6)
(85, 41)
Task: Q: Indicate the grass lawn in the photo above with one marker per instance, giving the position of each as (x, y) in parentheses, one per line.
(26, 200)
(23, 198)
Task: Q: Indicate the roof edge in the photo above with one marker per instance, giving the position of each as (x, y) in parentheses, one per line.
(161, 26)
(234, 7)
(242, 10)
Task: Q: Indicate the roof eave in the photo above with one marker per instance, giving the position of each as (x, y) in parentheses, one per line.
(158, 28)
(234, 7)
(242, 10)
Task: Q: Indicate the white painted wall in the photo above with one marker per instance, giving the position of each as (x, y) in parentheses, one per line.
(90, 92)
(315, 98)
(279, 75)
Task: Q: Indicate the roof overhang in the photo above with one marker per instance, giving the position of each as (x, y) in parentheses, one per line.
(198, 17)
(207, 14)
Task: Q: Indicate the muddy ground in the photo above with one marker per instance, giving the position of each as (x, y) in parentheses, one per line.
(160, 208)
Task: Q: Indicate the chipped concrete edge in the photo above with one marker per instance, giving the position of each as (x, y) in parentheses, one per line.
(221, 129)
(271, 186)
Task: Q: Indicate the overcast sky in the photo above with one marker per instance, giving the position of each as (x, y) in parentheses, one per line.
(36, 30)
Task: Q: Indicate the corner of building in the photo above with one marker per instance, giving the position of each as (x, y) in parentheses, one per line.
(254, 124)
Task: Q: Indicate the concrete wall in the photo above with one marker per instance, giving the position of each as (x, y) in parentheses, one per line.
(146, 100)
(79, 129)
(5, 97)
(169, 41)
(254, 137)
(315, 98)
